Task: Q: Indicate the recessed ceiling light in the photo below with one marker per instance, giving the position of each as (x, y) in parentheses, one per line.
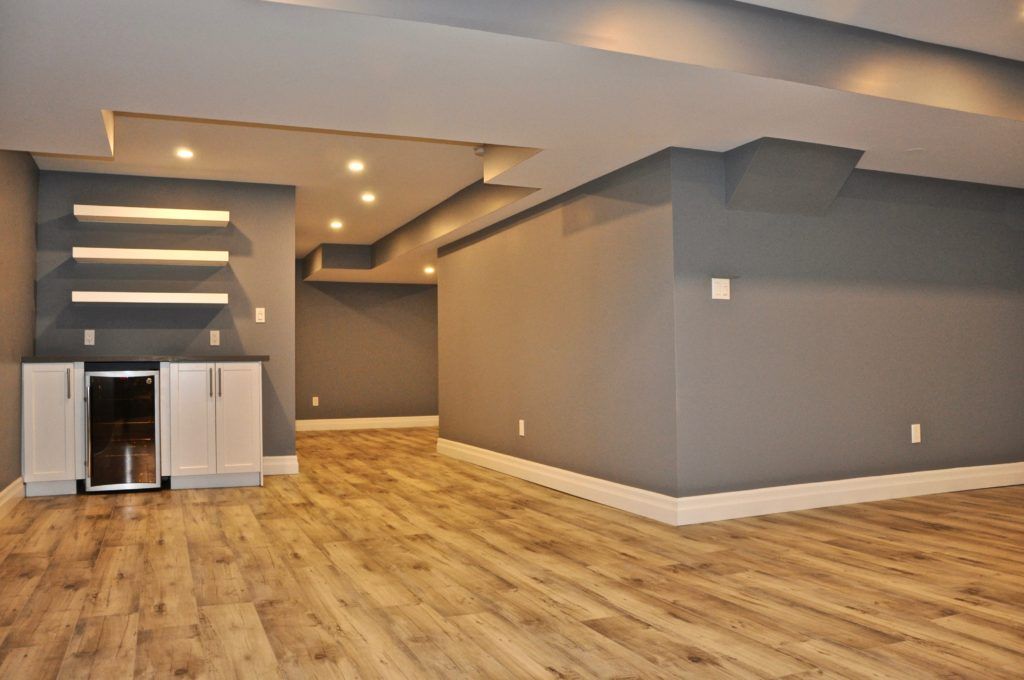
(368, 197)
(183, 152)
(428, 269)
(915, 149)
(336, 224)
(356, 166)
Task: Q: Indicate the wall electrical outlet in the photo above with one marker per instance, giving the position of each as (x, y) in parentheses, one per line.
(214, 338)
(261, 315)
(522, 428)
(915, 433)
(316, 401)
(90, 337)
(721, 289)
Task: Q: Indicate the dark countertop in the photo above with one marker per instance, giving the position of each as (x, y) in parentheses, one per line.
(62, 358)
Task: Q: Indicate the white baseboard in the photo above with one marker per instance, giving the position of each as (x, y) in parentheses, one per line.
(735, 504)
(753, 502)
(638, 501)
(11, 494)
(365, 423)
(280, 465)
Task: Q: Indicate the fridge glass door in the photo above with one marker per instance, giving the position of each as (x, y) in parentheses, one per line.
(123, 433)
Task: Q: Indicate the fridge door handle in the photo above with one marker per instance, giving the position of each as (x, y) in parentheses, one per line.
(211, 383)
(67, 372)
(220, 383)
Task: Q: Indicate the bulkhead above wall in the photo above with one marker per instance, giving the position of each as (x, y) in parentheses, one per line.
(782, 176)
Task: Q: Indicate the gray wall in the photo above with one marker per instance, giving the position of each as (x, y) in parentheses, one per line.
(18, 185)
(903, 304)
(591, 317)
(367, 350)
(260, 238)
(563, 317)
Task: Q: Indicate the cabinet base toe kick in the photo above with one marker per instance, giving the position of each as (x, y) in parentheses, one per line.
(217, 481)
(61, 488)
(220, 481)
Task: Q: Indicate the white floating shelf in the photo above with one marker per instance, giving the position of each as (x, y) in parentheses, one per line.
(115, 297)
(117, 214)
(198, 258)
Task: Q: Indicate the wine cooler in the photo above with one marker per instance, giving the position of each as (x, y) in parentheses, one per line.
(123, 440)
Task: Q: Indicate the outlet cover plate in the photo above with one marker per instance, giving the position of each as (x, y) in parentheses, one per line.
(721, 289)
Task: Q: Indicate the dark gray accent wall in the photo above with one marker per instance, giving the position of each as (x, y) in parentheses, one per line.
(334, 256)
(783, 176)
(19, 180)
(367, 350)
(261, 241)
(563, 317)
(903, 304)
(346, 256)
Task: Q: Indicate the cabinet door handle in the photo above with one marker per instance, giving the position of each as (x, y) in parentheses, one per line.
(220, 384)
(68, 374)
(211, 383)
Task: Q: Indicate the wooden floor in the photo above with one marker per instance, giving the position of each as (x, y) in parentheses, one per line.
(384, 560)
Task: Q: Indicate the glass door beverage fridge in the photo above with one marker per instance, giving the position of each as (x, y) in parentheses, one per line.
(124, 430)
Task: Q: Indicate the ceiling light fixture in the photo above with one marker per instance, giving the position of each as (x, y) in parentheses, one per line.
(356, 166)
(183, 152)
(368, 197)
(428, 269)
(336, 224)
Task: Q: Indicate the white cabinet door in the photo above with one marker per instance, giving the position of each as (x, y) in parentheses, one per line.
(193, 419)
(239, 417)
(48, 422)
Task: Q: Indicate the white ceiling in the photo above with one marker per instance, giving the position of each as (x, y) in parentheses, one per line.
(407, 176)
(988, 26)
(589, 110)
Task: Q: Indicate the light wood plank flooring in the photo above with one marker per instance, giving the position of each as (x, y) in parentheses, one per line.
(384, 560)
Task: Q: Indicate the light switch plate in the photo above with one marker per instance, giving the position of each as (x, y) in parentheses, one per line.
(522, 428)
(261, 315)
(721, 289)
(214, 338)
(316, 401)
(915, 433)
(90, 337)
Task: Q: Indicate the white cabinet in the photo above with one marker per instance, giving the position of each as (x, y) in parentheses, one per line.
(193, 420)
(49, 428)
(239, 417)
(216, 423)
